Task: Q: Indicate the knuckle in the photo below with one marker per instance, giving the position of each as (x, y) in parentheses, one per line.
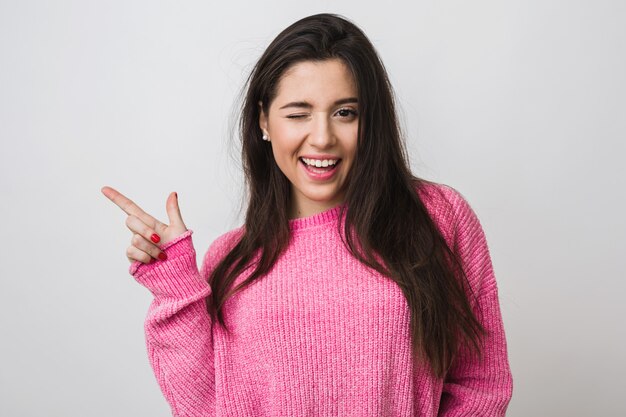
(129, 221)
(136, 255)
(136, 240)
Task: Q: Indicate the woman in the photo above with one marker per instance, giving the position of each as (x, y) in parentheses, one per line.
(353, 288)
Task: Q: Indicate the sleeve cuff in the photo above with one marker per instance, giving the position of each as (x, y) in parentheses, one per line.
(177, 276)
(137, 268)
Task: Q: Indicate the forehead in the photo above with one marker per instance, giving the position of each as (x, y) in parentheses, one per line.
(317, 82)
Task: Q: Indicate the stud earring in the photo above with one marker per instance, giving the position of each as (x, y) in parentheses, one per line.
(265, 137)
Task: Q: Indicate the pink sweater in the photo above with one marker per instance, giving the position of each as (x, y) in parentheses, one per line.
(321, 334)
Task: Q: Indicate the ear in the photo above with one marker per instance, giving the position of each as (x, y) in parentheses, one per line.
(262, 118)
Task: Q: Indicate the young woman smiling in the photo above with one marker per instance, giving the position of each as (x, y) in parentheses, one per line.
(313, 124)
(354, 288)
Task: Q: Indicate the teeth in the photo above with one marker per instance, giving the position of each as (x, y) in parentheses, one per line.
(319, 162)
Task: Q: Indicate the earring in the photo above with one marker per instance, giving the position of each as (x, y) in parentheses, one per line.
(265, 137)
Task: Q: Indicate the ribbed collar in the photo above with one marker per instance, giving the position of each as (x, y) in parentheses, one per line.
(327, 216)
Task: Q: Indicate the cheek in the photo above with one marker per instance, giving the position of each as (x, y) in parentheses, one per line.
(349, 139)
(284, 150)
(285, 141)
(282, 130)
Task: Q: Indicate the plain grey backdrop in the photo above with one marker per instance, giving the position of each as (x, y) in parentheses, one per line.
(520, 105)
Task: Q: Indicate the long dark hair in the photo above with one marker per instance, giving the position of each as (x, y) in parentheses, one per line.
(384, 216)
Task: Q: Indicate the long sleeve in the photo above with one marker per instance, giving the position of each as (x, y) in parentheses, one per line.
(475, 386)
(307, 343)
(178, 328)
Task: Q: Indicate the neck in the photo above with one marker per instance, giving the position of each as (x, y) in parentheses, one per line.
(299, 210)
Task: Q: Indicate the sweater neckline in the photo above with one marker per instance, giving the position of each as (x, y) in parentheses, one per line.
(327, 216)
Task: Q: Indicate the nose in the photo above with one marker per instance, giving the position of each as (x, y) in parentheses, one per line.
(321, 134)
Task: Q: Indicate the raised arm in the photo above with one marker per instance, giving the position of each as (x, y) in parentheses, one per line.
(178, 328)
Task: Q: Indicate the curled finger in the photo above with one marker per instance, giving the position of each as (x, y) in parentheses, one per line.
(135, 254)
(151, 249)
(136, 225)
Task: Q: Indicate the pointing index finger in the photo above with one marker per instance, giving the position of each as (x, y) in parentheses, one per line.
(128, 206)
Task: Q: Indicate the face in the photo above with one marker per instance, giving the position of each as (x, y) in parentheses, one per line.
(312, 125)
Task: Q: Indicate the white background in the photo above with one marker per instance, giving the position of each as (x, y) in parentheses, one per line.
(520, 105)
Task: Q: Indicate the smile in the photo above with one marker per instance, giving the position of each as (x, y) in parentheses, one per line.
(319, 169)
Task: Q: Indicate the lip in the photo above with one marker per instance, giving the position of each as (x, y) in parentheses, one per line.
(320, 156)
(319, 176)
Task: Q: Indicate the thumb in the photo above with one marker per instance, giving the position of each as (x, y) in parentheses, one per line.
(173, 211)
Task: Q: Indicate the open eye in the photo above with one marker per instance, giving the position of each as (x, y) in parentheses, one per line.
(346, 113)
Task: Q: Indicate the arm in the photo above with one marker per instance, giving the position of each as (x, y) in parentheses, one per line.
(475, 386)
(178, 328)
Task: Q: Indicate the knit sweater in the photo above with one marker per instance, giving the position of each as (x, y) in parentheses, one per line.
(320, 334)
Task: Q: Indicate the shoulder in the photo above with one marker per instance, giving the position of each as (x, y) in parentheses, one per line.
(463, 232)
(221, 246)
(448, 208)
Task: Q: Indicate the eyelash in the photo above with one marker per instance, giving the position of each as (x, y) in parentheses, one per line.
(300, 116)
(350, 111)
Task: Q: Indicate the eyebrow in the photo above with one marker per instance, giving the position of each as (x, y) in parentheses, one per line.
(307, 105)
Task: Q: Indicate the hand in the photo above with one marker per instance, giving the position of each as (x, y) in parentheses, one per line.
(147, 230)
